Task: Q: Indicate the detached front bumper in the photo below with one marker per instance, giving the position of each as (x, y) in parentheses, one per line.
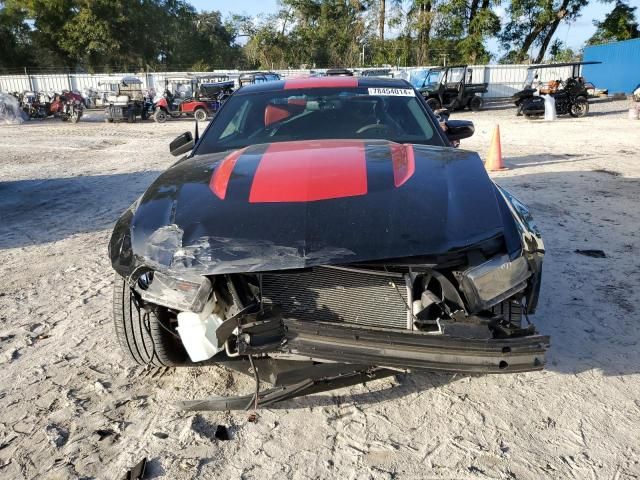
(349, 355)
(415, 350)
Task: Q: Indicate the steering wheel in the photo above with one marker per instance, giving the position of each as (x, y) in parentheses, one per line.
(381, 127)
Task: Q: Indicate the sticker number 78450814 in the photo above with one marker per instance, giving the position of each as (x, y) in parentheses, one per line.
(393, 92)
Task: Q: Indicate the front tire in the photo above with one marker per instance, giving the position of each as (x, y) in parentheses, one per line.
(145, 334)
(475, 103)
(200, 114)
(579, 108)
(160, 115)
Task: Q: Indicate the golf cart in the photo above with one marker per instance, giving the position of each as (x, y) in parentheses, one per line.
(128, 102)
(257, 77)
(451, 88)
(570, 95)
(192, 96)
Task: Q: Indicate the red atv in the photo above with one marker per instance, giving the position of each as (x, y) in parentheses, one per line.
(192, 97)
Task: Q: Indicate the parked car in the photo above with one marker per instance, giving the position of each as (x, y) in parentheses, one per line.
(324, 232)
(571, 95)
(452, 88)
(128, 102)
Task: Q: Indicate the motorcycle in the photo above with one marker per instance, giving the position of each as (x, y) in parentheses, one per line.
(67, 106)
(35, 105)
(570, 98)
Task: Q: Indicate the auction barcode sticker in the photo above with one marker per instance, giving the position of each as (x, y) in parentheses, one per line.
(393, 92)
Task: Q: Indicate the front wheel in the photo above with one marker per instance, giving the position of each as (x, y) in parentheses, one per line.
(200, 114)
(579, 107)
(475, 103)
(160, 115)
(145, 334)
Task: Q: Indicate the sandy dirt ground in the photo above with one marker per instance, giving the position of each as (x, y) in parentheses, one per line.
(71, 407)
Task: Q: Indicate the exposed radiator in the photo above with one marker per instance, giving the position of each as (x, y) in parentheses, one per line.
(333, 294)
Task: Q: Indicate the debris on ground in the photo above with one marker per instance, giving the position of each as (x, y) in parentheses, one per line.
(137, 472)
(57, 435)
(591, 253)
(222, 433)
(103, 433)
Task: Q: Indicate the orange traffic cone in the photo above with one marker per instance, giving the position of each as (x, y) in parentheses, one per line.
(494, 158)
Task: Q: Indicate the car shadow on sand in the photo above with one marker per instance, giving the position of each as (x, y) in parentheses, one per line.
(47, 210)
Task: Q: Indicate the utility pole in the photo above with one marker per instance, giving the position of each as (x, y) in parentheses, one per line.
(29, 79)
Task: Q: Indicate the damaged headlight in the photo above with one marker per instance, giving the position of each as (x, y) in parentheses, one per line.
(493, 281)
(181, 294)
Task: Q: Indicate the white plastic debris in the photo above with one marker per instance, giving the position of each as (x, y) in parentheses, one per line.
(198, 332)
(549, 108)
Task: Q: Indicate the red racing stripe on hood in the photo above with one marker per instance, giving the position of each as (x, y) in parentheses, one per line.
(321, 82)
(220, 178)
(308, 171)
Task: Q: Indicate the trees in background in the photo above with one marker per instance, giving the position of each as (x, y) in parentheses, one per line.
(619, 24)
(103, 35)
(110, 35)
(531, 25)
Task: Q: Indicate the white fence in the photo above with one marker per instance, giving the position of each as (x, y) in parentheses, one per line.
(503, 80)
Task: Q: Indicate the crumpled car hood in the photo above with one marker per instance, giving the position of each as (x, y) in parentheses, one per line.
(300, 204)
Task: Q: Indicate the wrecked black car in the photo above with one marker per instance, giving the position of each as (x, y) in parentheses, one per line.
(323, 232)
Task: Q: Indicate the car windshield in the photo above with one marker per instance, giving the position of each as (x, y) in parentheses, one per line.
(393, 114)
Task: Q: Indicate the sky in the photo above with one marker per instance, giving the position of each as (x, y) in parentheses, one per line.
(574, 34)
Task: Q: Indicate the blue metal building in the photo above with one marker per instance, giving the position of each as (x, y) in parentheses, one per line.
(620, 69)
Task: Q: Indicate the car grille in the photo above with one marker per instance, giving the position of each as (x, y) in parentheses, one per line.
(340, 295)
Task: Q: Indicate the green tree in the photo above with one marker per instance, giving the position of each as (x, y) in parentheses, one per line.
(469, 23)
(619, 24)
(123, 34)
(533, 23)
(559, 52)
(319, 33)
(15, 39)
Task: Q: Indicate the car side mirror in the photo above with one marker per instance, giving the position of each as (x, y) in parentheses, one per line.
(459, 129)
(182, 144)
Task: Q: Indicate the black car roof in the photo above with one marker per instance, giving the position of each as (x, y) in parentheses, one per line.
(325, 82)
